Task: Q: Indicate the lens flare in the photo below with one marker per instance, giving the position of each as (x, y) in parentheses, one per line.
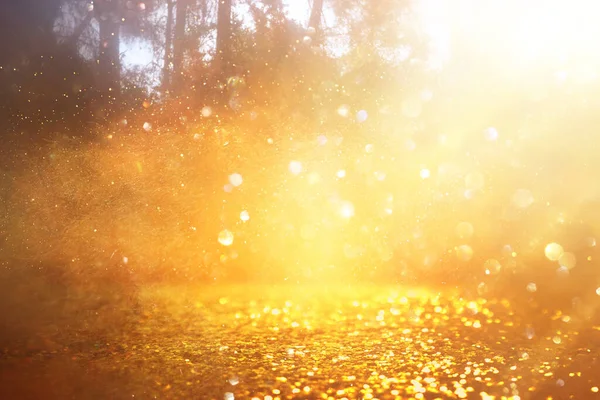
(236, 179)
(295, 167)
(554, 251)
(347, 210)
(226, 237)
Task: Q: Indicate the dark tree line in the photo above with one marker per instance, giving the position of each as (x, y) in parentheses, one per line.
(62, 61)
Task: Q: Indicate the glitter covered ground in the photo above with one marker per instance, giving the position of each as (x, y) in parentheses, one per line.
(316, 342)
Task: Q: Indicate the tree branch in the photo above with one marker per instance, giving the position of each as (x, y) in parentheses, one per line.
(74, 38)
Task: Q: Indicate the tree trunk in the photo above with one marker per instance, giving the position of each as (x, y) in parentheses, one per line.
(166, 78)
(314, 22)
(223, 56)
(179, 43)
(315, 15)
(108, 61)
(109, 65)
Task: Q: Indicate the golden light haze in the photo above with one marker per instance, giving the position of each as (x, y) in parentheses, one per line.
(498, 153)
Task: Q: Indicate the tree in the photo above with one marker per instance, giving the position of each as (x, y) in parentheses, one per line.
(179, 43)
(223, 50)
(42, 82)
(97, 30)
(108, 16)
(167, 61)
(315, 15)
(26, 27)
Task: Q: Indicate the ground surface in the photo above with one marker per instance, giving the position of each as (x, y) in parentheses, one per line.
(311, 343)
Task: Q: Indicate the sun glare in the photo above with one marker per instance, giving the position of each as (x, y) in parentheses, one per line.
(347, 210)
(529, 33)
